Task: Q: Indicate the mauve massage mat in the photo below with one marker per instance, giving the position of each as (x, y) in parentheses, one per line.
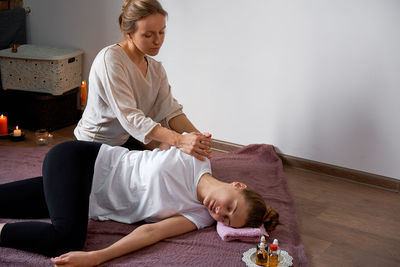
(256, 165)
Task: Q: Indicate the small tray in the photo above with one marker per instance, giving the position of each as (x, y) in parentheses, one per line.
(17, 138)
(249, 257)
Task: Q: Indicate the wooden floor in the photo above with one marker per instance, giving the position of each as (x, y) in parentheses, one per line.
(342, 223)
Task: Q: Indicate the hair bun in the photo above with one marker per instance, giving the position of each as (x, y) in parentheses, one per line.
(134, 10)
(271, 219)
(125, 4)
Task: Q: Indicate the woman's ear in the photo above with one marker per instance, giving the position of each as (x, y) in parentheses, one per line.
(239, 185)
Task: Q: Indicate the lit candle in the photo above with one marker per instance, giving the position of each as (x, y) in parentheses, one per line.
(17, 132)
(3, 125)
(83, 94)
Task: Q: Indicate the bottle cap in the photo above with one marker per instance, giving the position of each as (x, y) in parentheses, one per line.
(273, 247)
(262, 242)
(275, 242)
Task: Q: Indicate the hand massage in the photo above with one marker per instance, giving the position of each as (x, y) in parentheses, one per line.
(134, 168)
(169, 188)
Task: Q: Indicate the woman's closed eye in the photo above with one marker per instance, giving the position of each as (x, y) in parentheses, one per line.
(232, 208)
(150, 34)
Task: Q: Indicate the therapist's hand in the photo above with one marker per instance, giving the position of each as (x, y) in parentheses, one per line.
(196, 144)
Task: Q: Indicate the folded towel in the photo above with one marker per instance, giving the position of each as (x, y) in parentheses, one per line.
(244, 234)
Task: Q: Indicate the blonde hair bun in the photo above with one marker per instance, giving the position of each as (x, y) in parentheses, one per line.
(134, 10)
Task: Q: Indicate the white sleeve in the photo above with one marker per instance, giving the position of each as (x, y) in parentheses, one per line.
(200, 217)
(122, 100)
(168, 106)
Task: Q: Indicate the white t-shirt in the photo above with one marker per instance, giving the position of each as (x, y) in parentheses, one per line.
(122, 102)
(130, 186)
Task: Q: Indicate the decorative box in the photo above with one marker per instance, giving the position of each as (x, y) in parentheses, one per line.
(41, 69)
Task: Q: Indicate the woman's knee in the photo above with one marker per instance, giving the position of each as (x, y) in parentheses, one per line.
(57, 154)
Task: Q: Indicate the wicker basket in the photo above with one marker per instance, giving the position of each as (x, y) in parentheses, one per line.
(41, 69)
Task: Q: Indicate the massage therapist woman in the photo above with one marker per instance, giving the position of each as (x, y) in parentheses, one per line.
(130, 98)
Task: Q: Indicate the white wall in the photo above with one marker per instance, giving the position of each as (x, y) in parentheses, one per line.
(88, 25)
(315, 78)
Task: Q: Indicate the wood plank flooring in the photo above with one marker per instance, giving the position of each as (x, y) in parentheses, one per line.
(342, 223)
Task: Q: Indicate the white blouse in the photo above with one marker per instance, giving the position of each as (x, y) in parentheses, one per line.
(122, 102)
(130, 186)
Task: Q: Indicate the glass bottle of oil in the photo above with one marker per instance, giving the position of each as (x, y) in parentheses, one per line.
(262, 253)
(278, 250)
(273, 255)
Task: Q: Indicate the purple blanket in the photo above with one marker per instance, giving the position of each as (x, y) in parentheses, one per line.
(256, 165)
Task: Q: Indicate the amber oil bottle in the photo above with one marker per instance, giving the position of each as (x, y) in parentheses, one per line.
(262, 253)
(273, 256)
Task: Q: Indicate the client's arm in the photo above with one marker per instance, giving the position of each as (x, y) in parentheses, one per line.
(142, 236)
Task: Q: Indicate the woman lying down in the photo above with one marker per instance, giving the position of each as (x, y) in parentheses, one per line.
(172, 190)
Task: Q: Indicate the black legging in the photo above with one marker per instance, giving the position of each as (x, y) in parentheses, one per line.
(62, 195)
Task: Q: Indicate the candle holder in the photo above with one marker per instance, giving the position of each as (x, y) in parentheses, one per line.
(17, 138)
(42, 137)
(50, 137)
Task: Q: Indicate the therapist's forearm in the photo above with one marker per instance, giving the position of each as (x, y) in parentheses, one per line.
(165, 135)
(182, 124)
(194, 143)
